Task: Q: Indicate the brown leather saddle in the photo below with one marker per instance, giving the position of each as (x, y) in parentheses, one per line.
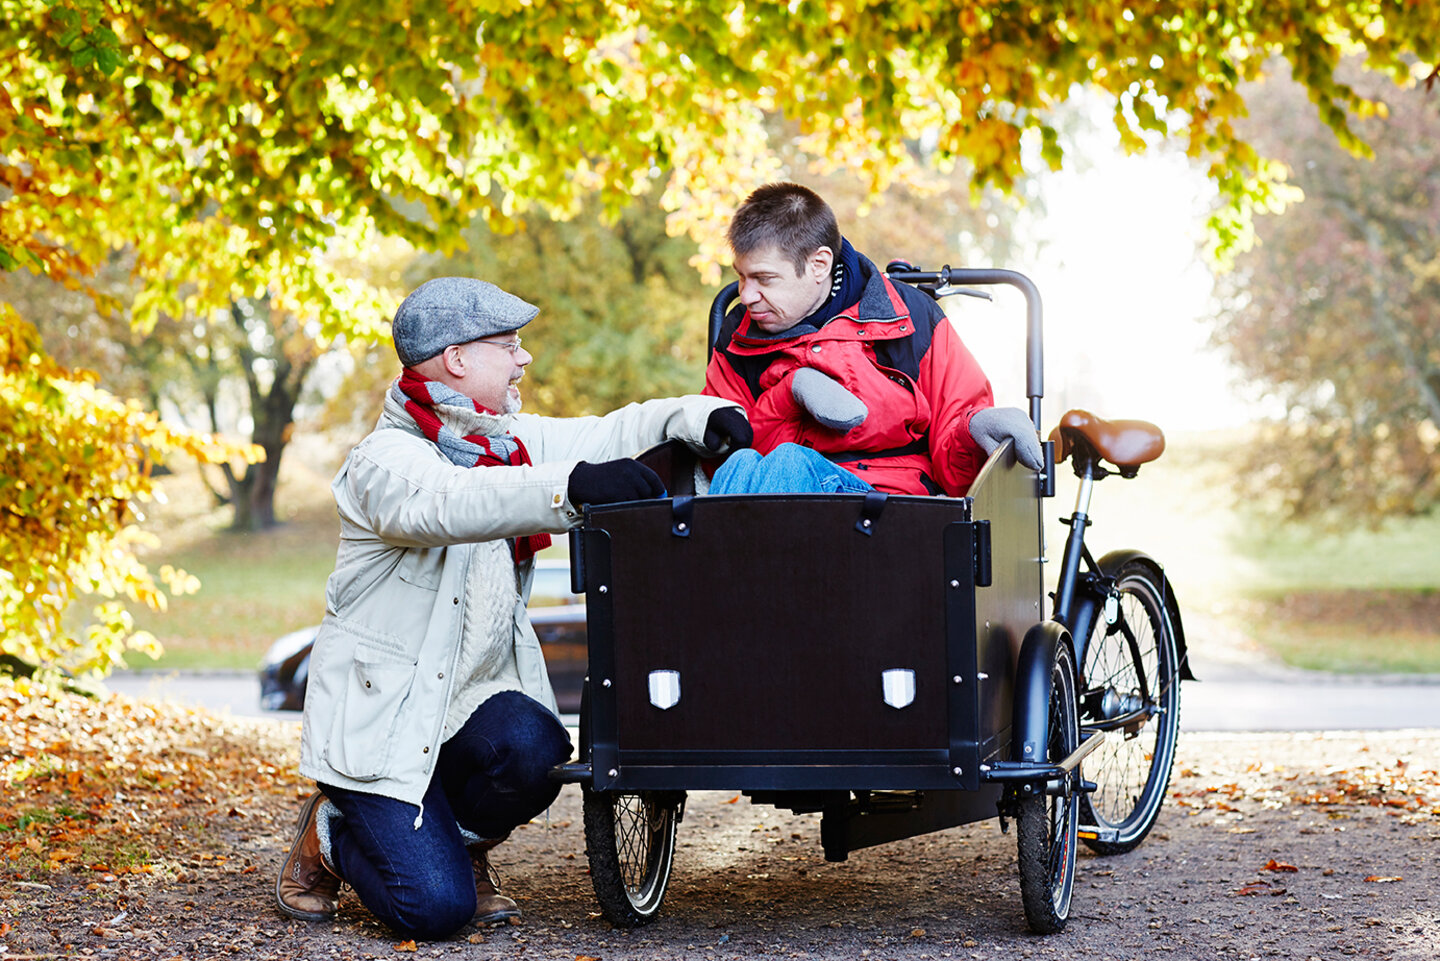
(1125, 443)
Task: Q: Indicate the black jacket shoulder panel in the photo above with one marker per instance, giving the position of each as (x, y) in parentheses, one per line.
(906, 353)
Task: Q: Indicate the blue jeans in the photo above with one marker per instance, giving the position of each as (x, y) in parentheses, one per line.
(491, 776)
(788, 469)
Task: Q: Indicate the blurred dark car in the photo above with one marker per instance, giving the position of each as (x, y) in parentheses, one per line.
(558, 616)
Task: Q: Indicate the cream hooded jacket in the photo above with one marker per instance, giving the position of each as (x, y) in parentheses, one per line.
(382, 673)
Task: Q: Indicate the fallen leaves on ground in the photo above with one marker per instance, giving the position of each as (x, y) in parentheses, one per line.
(1397, 786)
(107, 788)
(1258, 887)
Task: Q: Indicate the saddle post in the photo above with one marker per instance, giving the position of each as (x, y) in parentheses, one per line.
(1086, 467)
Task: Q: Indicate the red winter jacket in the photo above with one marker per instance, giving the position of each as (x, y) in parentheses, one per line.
(896, 351)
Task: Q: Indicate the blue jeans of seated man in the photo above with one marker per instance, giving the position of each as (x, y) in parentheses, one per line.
(788, 469)
(491, 776)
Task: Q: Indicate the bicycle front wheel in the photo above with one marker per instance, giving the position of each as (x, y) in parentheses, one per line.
(1047, 814)
(630, 841)
(1131, 689)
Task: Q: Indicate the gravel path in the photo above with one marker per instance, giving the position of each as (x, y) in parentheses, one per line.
(1290, 846)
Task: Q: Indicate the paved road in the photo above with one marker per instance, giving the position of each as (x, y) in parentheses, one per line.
(1231, 696)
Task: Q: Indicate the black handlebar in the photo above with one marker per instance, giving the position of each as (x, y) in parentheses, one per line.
(935, 280)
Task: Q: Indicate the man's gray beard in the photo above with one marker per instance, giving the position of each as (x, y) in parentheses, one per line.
(513, 403)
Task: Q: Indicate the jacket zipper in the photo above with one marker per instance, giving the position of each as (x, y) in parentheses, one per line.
(460, 602)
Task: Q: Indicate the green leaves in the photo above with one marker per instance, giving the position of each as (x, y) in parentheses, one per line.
(84, 34)
(74, 463)
(233, 148)
(238, 114)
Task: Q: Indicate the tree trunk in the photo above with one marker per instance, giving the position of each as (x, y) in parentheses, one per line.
(253, 495)
(272, 410)
(1423, 380)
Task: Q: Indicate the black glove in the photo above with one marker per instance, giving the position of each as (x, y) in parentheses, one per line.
(727, 431)
(612, 482)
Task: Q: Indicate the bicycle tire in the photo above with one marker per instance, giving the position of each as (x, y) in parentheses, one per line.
(1047, 819)
(1131, 665)
(630, 843)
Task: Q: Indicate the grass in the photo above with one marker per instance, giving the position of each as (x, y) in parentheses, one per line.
(1354, 631)
(1363, 600)
(255, 587)
(1399, 554)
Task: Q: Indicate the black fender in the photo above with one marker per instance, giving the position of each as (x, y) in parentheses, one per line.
(1030, 720)
(1110, 566)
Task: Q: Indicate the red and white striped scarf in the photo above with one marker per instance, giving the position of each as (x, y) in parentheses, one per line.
(486, 443)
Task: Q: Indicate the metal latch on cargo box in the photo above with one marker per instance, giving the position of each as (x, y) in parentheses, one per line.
(682, 510)
(870, 512)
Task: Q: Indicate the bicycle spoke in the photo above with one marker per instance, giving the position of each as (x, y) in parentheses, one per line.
(1130, 682)
(634, 839)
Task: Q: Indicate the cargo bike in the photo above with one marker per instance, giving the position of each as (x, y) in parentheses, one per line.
(892, 663)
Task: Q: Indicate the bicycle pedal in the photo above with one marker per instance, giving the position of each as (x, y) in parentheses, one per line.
(1089, 832)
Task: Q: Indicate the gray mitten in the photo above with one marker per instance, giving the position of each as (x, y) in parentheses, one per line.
(994, 425)
(827, 400)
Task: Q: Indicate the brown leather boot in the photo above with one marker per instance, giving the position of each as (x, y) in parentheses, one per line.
(491, 907)
(307, 888)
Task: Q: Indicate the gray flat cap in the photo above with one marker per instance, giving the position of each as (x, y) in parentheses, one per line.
(454, 310)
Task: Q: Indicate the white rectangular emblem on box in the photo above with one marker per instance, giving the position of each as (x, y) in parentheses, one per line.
(899, 686)
(664, 689)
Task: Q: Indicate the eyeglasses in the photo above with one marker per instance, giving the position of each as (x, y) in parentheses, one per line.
(511, 346)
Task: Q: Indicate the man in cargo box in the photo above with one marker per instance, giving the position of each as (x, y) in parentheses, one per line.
(848, 374)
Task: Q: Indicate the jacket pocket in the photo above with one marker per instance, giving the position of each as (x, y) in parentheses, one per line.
(363, 728)
(421, 566)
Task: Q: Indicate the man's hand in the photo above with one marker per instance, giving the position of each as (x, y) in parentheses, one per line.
(727, 431)
(612, 482)
(995, 425)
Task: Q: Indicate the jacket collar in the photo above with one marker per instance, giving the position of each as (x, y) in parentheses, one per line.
(393, 415)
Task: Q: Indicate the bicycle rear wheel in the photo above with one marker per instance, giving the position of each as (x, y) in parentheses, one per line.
(1131, 689)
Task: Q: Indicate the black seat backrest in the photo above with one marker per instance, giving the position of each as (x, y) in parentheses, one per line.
(719, 307)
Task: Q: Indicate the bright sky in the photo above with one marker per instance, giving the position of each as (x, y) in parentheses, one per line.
(1126, 290)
